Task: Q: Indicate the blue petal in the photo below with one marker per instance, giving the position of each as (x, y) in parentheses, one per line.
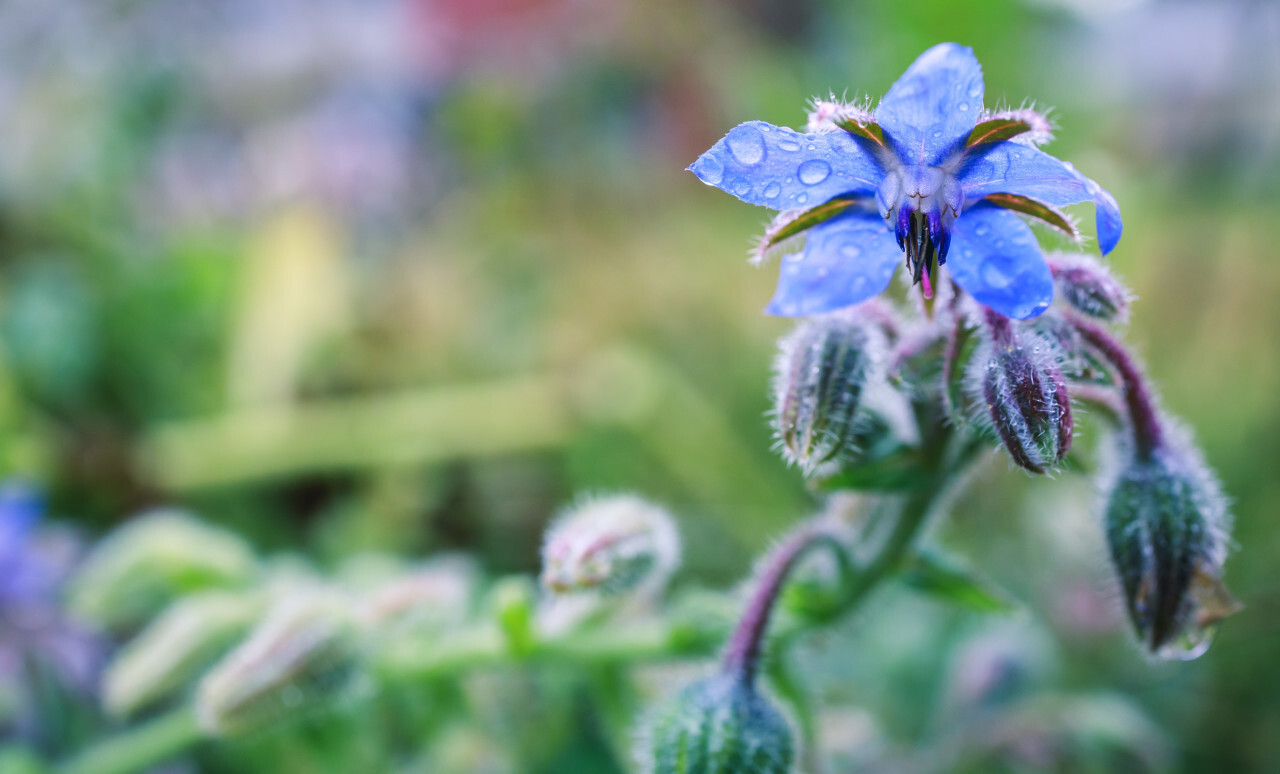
(1010, 167)
(775, 167)
(845, 261)
(932, 108)
(995, 257)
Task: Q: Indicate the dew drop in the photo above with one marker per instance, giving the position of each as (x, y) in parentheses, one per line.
(976, 91)
(937, 133)
(851, 251)
(802, 198)
(859, 284)
(962, 107)
(982, 230)
(772, 190)
(814, 171)
(742, 188)
(813, 147)
(788, 145)
(994, 276)
(709, 169)
(746, 144)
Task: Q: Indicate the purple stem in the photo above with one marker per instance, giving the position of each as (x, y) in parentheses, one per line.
(1001, 328)
(1148, 433)
(742, 655)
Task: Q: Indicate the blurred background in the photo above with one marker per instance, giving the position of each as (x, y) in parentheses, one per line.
(407, 275)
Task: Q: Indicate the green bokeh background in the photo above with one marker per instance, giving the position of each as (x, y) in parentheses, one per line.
(476, 281)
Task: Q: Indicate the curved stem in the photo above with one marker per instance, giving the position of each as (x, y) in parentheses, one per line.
(139, 748)
(742, 655)
(1148, 433)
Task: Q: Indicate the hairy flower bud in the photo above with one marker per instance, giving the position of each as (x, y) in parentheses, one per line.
(145, 564)
(1089, 287)
(720, 725)
(820, 376)
(613, 545)
(1166, 527)
(1026, 396)
(176, 647)
(307, 644)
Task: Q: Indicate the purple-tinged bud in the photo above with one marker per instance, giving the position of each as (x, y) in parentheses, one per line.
(720, 725)
(821, 373)
(1026, 396)
(1166, 526)
(612, 545)
(1089, 287)
(308, 645)
(175, 649)
(145, 564)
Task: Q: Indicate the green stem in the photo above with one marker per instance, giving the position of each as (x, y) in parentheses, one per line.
(139, 748)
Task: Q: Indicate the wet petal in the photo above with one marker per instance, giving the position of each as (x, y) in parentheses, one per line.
(845, 260)
(1014, 168)
(932, 108)
(776, 167)
(995, 257)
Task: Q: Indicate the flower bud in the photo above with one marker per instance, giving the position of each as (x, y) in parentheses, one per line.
(613, 545)
(142, 566)
(306, 646)
(1089, 287)
(720, 725)
(1166, 527)
(176, 648)
(820, 376)
(1026, 396)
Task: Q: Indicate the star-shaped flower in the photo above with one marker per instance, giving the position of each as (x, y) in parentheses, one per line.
(928, 173)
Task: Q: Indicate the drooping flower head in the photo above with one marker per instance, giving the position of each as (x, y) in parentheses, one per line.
(928, 173)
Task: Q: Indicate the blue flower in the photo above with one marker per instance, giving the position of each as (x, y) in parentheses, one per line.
(928, 174)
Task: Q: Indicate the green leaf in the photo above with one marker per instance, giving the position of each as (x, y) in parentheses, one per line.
(950, 580)
(896, 471)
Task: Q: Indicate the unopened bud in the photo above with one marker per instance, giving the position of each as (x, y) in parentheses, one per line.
(1089, 287)
(435, 593)
(1166, 527)
(820, 376)
(1026, 396)
(307, 646)
(613, 545)
(176, 648)
(142, 566)
(720, 725)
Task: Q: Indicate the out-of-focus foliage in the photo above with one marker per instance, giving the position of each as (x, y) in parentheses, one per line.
(392, 279)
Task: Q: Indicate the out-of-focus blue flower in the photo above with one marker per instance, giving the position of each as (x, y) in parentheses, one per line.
(40, 646)
(928, 173)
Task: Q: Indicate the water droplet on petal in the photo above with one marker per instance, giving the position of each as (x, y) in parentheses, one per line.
(814, 171)
(813, 147)
(976, 91)
(746, 144)
(742, 188)
(788, 145)
(962, 107)
(982, 230)
(802, 198)
(772, 190)
(851, 251)
(994, 276)
(937, 133)
(709, 169)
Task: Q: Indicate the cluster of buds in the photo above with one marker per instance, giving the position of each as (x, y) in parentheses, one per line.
(1012, 382)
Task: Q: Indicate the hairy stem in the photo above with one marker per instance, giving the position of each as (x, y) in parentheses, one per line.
(1148, 432)
(742, 655)
(140, 748)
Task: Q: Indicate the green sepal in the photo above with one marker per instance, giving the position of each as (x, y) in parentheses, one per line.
(997, 130)
(867, 130)
(806, 220)
(1036, 209)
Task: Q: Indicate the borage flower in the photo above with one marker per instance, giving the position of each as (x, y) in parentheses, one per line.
(944, 177)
